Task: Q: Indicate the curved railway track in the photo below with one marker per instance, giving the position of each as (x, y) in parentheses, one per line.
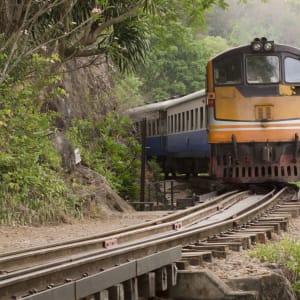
(46, 267)
(14, 261)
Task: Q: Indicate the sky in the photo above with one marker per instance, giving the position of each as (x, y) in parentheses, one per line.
(277, 20)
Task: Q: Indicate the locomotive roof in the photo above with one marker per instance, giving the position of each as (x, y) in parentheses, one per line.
(163, 105)
(278, 48)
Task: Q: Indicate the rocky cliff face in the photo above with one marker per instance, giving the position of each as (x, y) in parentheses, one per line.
(88, 87)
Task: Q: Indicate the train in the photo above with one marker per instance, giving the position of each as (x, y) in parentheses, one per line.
(243, 127)
(176, 133)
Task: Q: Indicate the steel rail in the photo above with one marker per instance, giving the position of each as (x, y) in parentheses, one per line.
(164, 219)
(56, 253)
(88, 265)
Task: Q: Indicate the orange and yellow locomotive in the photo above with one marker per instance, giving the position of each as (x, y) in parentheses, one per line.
(253, 113)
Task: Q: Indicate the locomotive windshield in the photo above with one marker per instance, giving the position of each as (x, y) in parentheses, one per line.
(262, 69)
(228, 71)
(292, 70)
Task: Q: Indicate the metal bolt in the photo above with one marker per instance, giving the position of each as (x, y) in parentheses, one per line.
(33, 291)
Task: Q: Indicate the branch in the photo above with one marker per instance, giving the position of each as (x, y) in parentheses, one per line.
(14, 39)
(93, 35)
(14, 47)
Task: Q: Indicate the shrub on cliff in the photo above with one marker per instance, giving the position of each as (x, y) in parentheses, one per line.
(31, 186)
(108, 148)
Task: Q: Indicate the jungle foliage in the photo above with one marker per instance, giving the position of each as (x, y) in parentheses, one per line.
(107, 147)
(117, 29)
(31, 183)
(177, 63)
(36, 37)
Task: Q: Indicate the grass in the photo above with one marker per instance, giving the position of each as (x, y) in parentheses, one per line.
(286, 254)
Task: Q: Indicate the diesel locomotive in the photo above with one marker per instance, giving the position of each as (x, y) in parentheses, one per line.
(244, 127)
(253, 107)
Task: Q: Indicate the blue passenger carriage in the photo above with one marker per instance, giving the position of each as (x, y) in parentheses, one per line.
(176, 134)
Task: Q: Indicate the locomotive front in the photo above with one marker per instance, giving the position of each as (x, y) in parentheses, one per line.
(253, 96)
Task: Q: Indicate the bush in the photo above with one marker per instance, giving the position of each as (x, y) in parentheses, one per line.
(286, 254)
(107, 147)
(32, 189)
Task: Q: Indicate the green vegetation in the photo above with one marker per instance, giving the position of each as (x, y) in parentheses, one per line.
(177, 64)
(286, 254)
(116, 29)
(127, 91)
(31, 188)
(107, 148)
(37, 37)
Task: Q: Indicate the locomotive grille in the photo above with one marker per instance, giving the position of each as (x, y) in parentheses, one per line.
(258, 172)
(263, 112)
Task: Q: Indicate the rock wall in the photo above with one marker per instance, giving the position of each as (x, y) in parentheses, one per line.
(89, 89)
(88, 85)
(89, 95)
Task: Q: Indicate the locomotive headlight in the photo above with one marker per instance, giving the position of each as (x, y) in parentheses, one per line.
(268, 46)
(260, 45)
(256, 46)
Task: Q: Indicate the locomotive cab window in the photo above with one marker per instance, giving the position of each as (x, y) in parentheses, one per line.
(262, 69)
(228, 71)
(292, 70)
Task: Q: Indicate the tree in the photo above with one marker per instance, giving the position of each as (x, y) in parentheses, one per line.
(176, 63)
(73, 29)
(85, 28)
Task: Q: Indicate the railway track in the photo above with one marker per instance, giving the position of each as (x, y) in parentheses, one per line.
(37, 269)
(17, 260)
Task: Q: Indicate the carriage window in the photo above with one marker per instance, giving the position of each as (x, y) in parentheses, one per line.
(192, 119)
(183, 121)
(187, 120)
(149, 129)
(157, 126)
(179, 122)
(201, 118)
(228, 71)
(262, 69)
(292, 69)
(154, 127)
(196, 118)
